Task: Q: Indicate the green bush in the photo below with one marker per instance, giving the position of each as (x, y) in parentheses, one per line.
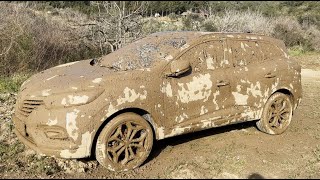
(209, 26)
(296, 50)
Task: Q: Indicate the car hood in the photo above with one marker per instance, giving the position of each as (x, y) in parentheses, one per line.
(71, 77)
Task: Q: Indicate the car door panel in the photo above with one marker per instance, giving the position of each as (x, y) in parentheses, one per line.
(203, 92)
(253, 77)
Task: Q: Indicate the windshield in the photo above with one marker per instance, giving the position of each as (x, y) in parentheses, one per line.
(144, 52)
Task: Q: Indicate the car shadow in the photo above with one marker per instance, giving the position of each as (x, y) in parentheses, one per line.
(255, 176)
(160, 145)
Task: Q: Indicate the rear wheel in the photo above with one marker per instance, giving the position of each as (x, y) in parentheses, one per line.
(276, 115)
(124, 143)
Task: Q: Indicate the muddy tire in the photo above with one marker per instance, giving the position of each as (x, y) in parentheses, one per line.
(276, 115)
(124, 143)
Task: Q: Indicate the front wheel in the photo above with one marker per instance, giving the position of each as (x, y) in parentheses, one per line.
(276, 115)
(124, 143)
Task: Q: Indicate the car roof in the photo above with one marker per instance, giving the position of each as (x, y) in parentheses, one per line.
(165, 45)
(195, 37)
(199, 35)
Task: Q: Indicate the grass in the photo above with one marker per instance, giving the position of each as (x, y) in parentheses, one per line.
(300, 51)
(12, 84)
(9, 156)
(296, 52)
(12, 158)
(46, 165)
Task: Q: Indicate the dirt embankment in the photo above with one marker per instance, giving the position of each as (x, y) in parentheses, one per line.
(235, 151)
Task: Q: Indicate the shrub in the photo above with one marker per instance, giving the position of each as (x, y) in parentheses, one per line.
(208, 25)
(192, 22)
(173, 16)
(312, 34)
(237, 21)
(152, 25)
(32, 41)
(290, 31)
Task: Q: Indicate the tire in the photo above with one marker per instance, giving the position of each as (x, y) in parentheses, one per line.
(124, 143)
(276, 115)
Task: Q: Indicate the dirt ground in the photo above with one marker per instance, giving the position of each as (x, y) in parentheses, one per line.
(234, 151)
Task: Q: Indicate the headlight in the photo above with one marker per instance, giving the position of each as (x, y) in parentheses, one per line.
(72, 98)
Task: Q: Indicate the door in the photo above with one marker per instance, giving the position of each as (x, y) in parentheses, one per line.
(251, 78)
(202, 90)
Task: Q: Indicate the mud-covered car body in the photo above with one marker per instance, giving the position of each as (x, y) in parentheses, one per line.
(179, 82)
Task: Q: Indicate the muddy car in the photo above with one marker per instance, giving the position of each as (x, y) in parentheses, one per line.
(163, 85)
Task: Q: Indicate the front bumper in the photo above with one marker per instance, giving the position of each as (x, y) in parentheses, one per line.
(33, 136)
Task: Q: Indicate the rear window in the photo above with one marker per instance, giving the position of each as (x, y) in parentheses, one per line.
(244, 52)
(271, 51)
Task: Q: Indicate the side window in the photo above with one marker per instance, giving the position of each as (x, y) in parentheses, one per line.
(270, 51)
(244, 52)
(215, 57)
(206, 56)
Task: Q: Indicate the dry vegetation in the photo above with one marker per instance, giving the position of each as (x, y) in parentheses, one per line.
(33, 38)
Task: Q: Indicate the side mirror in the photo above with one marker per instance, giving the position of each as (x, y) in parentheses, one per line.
(179, 67)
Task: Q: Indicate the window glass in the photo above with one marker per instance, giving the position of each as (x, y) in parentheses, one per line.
(244, 52)
(270, 51)
(206, 56)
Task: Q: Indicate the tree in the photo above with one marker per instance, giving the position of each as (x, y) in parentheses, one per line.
(116, 24)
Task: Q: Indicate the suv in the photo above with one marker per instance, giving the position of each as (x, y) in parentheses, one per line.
(163, 85)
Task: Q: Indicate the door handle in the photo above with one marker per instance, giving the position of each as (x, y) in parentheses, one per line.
(269, 75)
(222, 83)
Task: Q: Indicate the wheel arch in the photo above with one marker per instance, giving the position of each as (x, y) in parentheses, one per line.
(261, 123)
(143, 113)
(285, 91)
